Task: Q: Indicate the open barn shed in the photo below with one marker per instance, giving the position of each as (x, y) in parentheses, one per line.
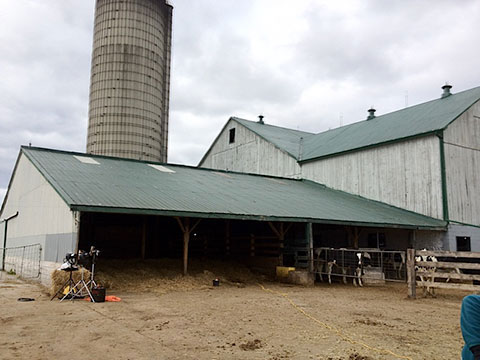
(134, 209)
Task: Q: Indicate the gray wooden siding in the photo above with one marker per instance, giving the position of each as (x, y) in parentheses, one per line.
(249, 153)
(462, 163)
(405, 174)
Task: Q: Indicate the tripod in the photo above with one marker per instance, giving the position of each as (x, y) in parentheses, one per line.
(81, 284)
(70, 283)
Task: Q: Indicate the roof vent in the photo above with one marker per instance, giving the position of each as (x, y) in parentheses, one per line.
(260, 119)
(371, 113)
(446, 90)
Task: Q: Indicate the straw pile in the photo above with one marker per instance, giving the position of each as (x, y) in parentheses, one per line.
(60, 277)
(165, 275)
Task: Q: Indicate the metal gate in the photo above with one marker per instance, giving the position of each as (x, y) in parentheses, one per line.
(23, 261)
(371, 265)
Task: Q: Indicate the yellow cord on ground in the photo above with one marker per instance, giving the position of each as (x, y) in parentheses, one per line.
(333, 329)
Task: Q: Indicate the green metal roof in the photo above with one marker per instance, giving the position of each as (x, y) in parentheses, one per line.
(285, 139)
(418, 120)
(137, 187)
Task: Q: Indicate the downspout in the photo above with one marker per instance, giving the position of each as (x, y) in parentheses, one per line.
(5, 238)
(444, 176)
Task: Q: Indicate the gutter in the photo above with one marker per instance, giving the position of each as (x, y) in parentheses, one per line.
(5, 238)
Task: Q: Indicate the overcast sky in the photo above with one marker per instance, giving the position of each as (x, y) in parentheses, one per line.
(305, 64)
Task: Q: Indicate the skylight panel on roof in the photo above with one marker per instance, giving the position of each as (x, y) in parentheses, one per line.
(86, 160)
(222, 174)
(277, 181)
(161, 168)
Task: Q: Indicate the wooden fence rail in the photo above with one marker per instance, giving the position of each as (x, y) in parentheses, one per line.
(429, 270)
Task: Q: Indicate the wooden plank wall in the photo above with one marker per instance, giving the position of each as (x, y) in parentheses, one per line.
(249, 153)
(405, 174)
(462, 160)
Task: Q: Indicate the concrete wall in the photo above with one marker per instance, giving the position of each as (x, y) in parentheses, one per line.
(249, 153)
(462, 163)
(430, 240)
(405, 174)
(454, 230)
(43, 217)
(130, 79)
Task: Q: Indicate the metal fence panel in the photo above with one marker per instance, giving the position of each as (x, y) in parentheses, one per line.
(372, 264)
(23, 261)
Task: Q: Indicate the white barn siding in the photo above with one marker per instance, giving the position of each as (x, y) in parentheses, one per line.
(462, 163)
(43, 217)
(249, 153)
(405, 174)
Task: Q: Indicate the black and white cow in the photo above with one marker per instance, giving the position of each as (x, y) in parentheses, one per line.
(341, 262)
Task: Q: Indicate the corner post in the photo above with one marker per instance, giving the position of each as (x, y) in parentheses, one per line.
(309, 231)
(411, 275)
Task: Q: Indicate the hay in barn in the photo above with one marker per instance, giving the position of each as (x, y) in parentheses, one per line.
(60, 277)
(165, 275)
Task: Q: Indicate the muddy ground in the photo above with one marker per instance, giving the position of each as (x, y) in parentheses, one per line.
(232, 321)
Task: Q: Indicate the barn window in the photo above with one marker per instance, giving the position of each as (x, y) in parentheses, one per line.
(231, 138)
(463, 243)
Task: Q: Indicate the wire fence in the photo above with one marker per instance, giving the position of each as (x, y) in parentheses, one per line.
(23, 261)
(371, 264)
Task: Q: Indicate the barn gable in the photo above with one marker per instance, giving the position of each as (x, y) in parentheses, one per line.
(250, 147)
(43, 218)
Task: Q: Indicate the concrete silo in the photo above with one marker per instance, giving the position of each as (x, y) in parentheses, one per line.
(130, 79)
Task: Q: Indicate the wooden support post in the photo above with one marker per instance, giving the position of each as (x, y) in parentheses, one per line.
(186, 239)
(309, 233)
(227, 237)
(186, 229)
(144, 237)
(252, 245)
(281, 240)
(356, 236)
(280, 233)
(411, 275)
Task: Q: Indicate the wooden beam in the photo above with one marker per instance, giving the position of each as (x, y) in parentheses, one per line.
(227, 237)
(454, 254)
(309, 233)
(179, 221)
(447, 265)
(144, 237)
(448, 275)
(411, 276)
(274, 229)
(430, 284)
(195, 225)
(252, 245)
(288, 228)
(186, 239)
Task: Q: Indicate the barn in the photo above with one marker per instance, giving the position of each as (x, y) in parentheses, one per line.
(424, 158)
(67, 201)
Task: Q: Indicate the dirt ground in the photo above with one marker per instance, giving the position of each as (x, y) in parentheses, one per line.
(232, 321)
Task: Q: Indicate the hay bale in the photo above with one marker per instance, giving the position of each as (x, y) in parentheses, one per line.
(300, 277)
(60, 277)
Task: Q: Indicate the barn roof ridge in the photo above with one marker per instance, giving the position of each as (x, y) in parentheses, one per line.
(414, 121)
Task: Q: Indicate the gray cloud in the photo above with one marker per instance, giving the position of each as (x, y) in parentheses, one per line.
(311, 65)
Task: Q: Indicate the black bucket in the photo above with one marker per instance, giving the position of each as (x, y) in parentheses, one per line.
(216, 282)
(98, 294)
